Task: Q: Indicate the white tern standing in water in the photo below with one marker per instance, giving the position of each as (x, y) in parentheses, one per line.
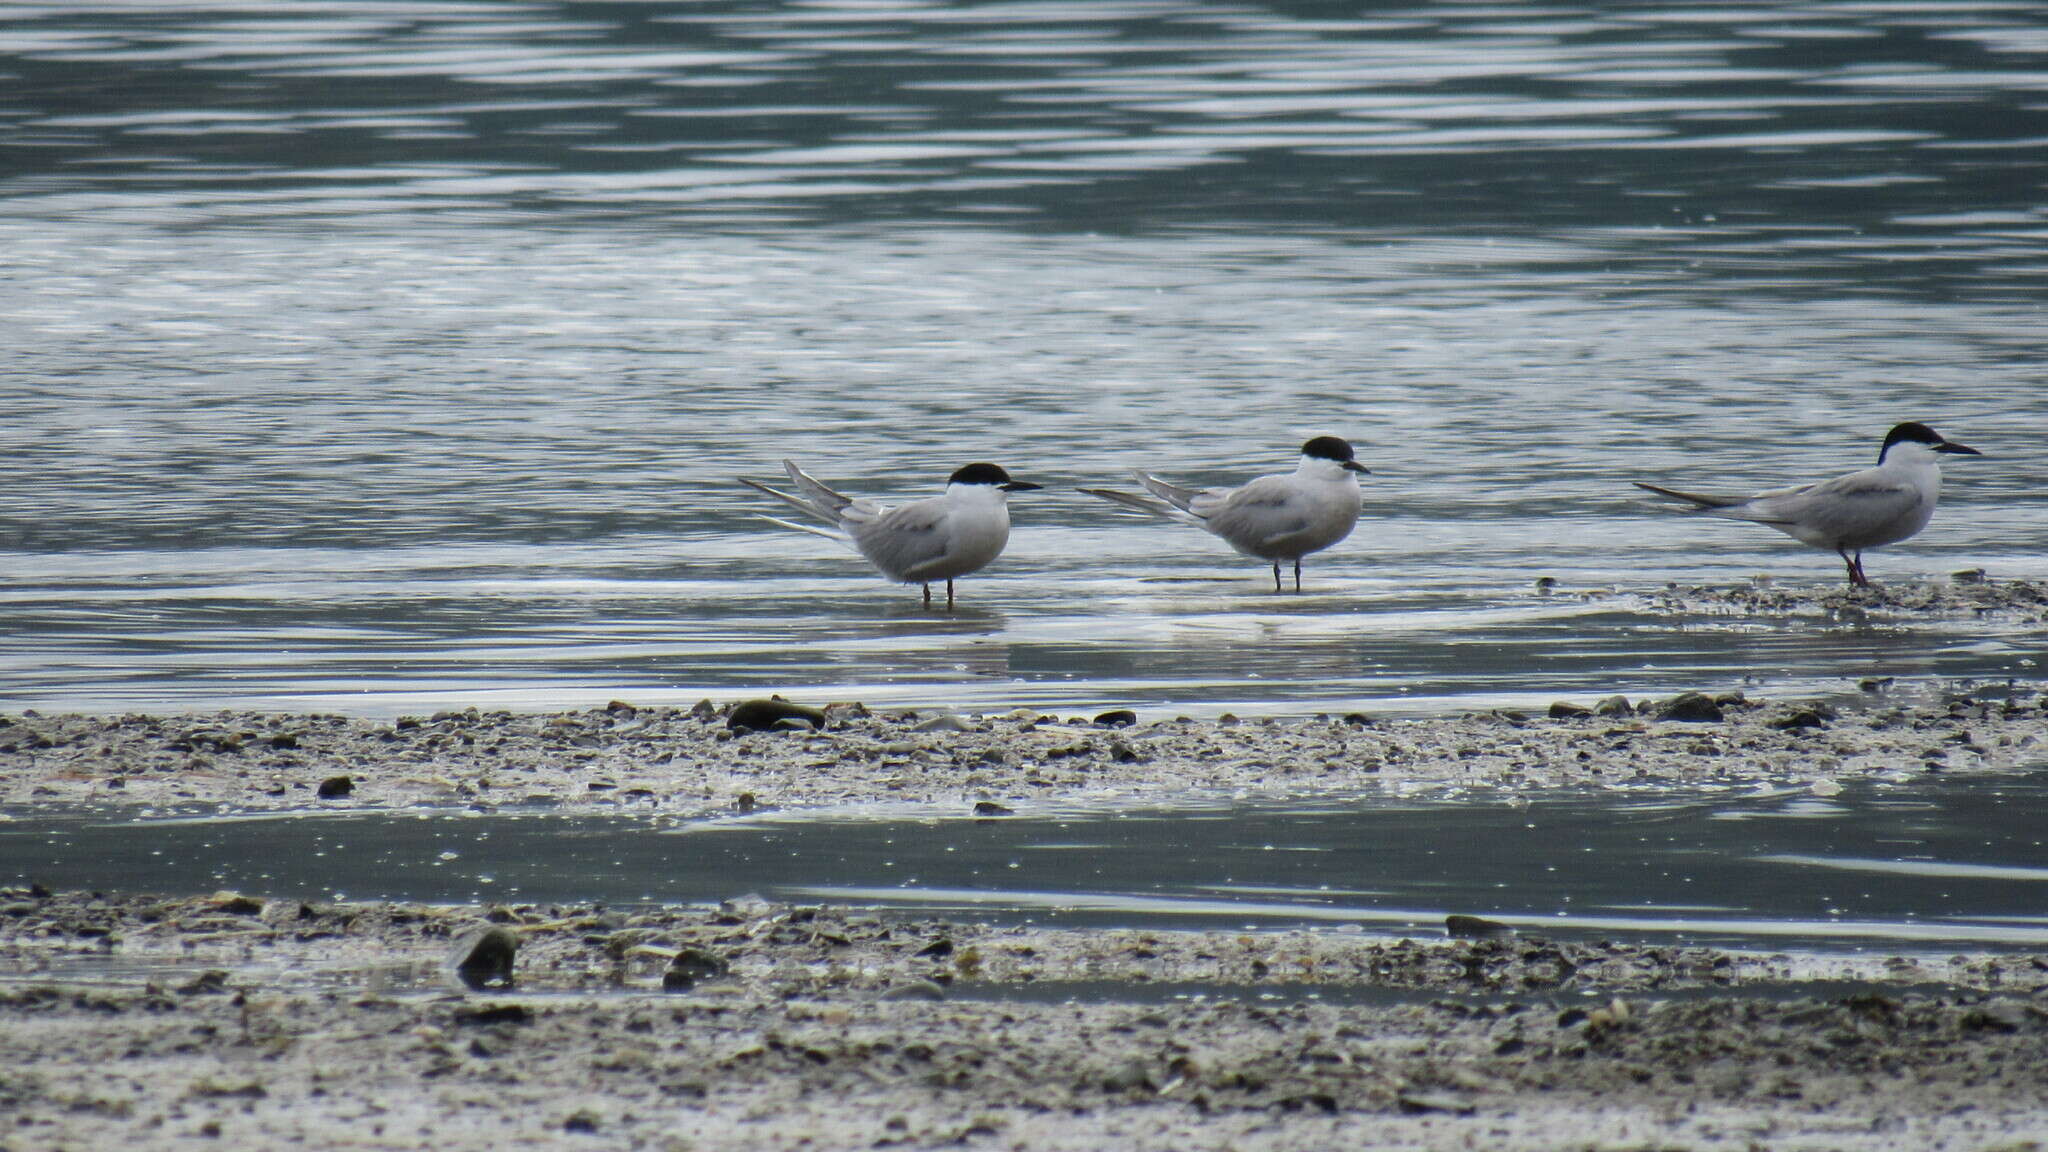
(937, 538)
(1867, 509)
(1273, 518)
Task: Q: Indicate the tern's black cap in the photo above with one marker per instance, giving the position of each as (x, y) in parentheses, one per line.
(991, 474)
(1335, 449)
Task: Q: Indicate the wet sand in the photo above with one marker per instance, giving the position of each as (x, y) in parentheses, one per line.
(130, 1019)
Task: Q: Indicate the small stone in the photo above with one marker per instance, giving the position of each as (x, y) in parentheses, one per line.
(335, 787)
(1811, 717)
(1475, 927)
(691, 966)
(1614, 706)
(621, 708)
(792, 724)
(943, 722)
(921, 991)
(1566, 710)
(991, 808)
(745, 802)
(1358, 720)
(1418, 1102)
(1123, 753)
(1875, 683)
(1130, 1076)
(761, 715)
(1116, 718)
(211, 982)
(1545, 585)
(1968, 576)
(483, 959)
(1690, 708)
(584, 1121)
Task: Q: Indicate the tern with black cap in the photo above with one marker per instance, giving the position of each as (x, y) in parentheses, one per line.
(1852, 513)
(938, 538)
(1275, 518)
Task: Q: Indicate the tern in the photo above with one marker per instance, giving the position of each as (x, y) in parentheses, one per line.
(1846, 515)
(1273, 518)
(937, 538)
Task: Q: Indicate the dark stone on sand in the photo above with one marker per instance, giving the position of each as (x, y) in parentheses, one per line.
(1690, 708)
(1117, 718)
(991, 808)
(938, 949)
(761, 715)
(211, 982)
(1358, 719)
(917, 990)
(1814, 716)
(691, 966)
(1968, 576)
(584, 1122)
(485, 1014)
(335, 787)
(1122, 753)
(1566, 710)
(1475, 927)
(484, 958)
(1614, 706)
(1419, 1102)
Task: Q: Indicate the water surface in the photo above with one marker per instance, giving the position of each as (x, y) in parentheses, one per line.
(385, 357)
(1937, 865)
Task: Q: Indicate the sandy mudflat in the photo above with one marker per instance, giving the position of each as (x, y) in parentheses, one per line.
(334, 1027)
(339, 1025)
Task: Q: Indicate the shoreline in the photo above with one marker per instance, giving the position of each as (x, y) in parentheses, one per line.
(701, 761)
(135, 1019)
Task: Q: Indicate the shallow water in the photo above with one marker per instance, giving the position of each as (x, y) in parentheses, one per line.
(1939, 864)
(382, 358)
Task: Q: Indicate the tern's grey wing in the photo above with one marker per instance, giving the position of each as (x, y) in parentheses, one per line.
(903, 541)
(1860, 509)
(1263, 514)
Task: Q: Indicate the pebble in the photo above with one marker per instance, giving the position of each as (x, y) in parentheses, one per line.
(483, 959)
(335, 787)
(1116, 718)
(1475, 927)
(1691, 708)
(690, 967)
(761, 715)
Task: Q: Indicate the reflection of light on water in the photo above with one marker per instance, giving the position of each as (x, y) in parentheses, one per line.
(1909, 867)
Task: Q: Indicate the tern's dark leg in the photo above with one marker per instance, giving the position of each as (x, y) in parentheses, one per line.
(949, 595)
(1855, 564)
(1297, 575)
(927, 595)
(1276, 577)
(1862, 577)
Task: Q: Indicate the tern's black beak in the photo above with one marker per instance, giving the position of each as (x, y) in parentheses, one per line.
(1355, 466)
(1020, 486)
(1956, 449)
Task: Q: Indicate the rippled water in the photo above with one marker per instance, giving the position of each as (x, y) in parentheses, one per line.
(385, 356)
(1937, 864)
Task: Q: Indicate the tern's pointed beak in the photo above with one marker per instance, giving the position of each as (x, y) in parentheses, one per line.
(1956, 449)
(1020, 486)
(1355, 466)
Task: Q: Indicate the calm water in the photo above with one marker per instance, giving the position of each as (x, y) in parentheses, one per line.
(1942, 863)
(381, 357)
